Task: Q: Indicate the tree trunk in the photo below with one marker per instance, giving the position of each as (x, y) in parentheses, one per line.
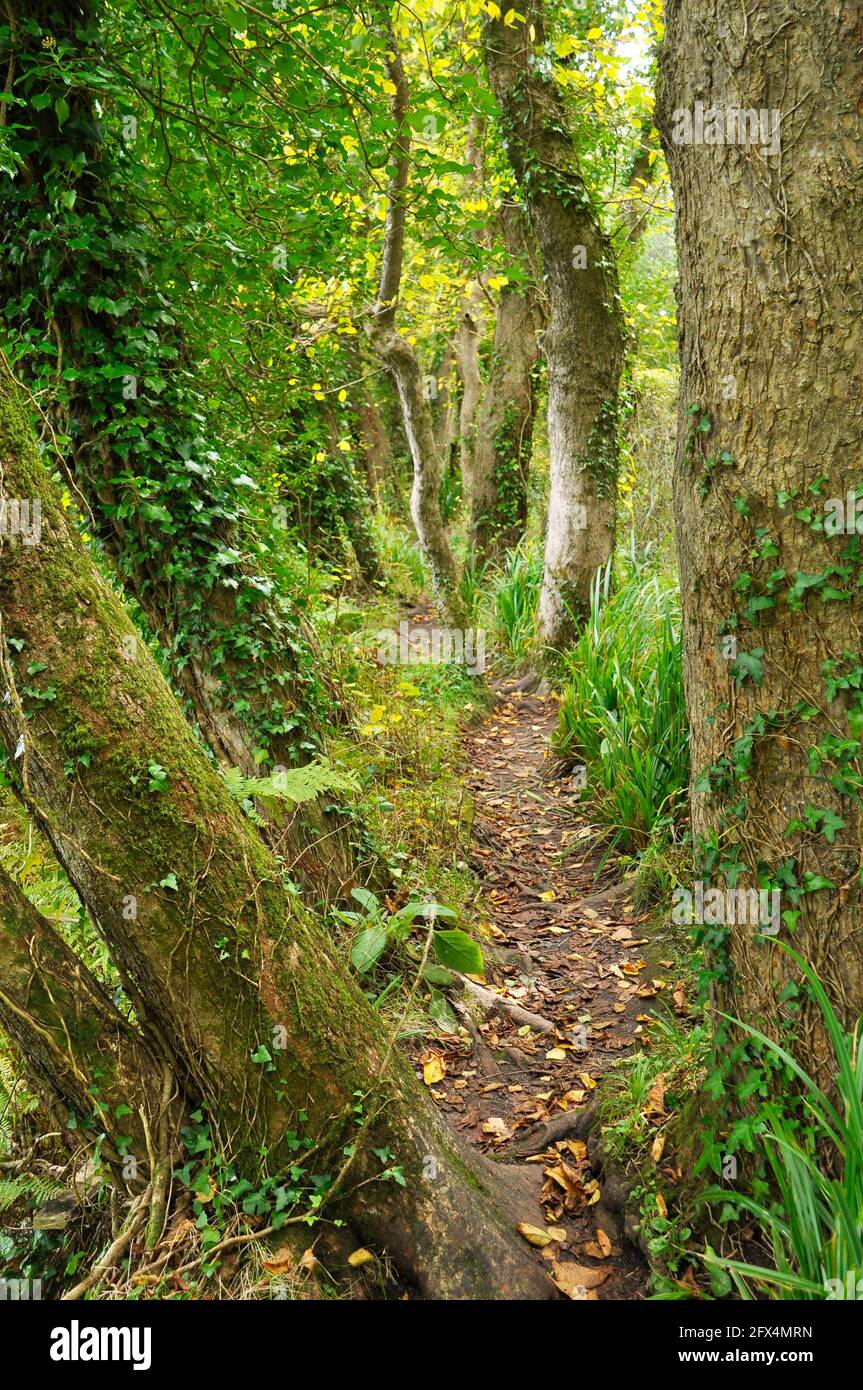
(87, 1061)
(505, 429)
(443, 412)
(470, 324)
(584, 339)
(134, 442)
(218, 956)
(401, 359)
(769, 231)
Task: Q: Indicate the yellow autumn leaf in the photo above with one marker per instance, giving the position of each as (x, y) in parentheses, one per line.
(360, 1257)
(434, 1069)
(533, 1235)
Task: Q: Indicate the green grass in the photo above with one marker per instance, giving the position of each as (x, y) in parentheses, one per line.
(515, 593)
(622, 713)
(816, 1227)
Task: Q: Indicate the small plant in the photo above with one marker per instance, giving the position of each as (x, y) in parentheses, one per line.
(516, 593)
(623, 714)
(452, 947)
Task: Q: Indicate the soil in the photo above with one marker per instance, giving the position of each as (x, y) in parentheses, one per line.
(564, 943)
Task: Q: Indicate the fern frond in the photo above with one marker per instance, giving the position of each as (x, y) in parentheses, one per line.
(294, 784)
(31, 1186)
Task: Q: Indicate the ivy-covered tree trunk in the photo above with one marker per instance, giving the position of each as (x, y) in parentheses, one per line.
(504, 436)
(237, 987)
(769, 229)
(76, 276)
(400, 357)
(584, 338)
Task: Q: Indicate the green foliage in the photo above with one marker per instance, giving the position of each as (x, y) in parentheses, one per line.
(622, 714)
(293, 785)
(377, 933)
(515, 595)
(813, 1220)
(30, 1187)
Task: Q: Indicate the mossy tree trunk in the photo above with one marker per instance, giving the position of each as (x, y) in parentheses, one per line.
(771, 335)
(219, 957)
(583, 342)
(91, 1066)
(504, 437)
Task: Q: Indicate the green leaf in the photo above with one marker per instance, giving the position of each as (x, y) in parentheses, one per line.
(369, 947)
(459, 951)
(441, 1011)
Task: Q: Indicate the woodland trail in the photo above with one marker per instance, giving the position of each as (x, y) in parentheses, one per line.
(564, 948)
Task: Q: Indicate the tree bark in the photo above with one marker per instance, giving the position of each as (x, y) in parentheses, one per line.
(86, 1059)
(771, 338)
(584, 339)
(218, 956)
(470, 326)
(401, 359)
(505, 430)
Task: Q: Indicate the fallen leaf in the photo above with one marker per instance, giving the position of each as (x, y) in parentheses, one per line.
(434, 1069)
(496, 1126)
(656, 1097)
(556, 1054)
(656, 1147)
(279, 1262)
(534, 1235)
(575, 1280)
(661, 1205)
(360, 1257)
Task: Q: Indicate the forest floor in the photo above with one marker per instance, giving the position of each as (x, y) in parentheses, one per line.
(567, 947)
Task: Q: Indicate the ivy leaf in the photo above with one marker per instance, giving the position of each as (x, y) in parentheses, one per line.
(748, 666)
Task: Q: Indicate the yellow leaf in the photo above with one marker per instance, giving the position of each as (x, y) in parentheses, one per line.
(533, 1235)
(548, 896)
(660, 1205)
(556, 1054)
(593, 33)
(434, 1069)
(360, 1257)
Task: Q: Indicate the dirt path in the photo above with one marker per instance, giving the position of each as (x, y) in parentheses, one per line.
(563, 948)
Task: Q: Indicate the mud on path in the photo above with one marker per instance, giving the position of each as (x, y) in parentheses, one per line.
(568, 951)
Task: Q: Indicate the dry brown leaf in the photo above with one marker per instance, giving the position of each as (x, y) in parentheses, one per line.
(279, 1262)
(656, 1147)
(656, 1097)
(576, 1280)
